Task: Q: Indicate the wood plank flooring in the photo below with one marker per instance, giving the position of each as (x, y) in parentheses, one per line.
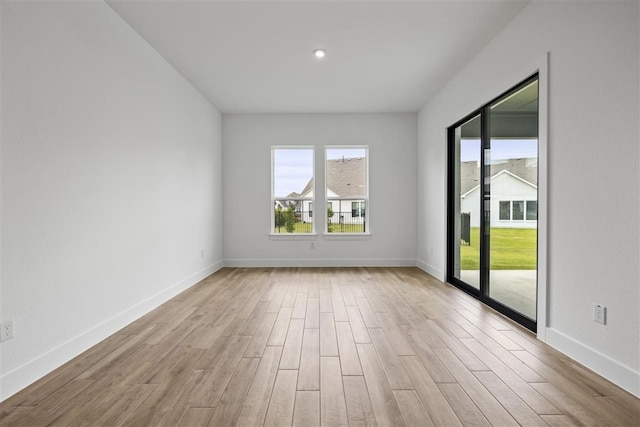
(329, 347)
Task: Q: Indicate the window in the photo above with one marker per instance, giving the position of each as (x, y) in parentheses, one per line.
(517, 210)
(518, 213)
(532, 210)
(357, 209)
(505, 211)
(347, 189)
(292, 190)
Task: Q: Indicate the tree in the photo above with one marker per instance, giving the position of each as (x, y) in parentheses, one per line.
(279, 217)
(329, 216)
(290, 220)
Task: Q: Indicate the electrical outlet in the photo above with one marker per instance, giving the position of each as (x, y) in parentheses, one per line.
(6, 330)
(600, 313)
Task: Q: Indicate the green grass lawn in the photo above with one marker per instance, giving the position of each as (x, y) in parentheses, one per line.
(299, 227)
(347, 228)
(511, 249)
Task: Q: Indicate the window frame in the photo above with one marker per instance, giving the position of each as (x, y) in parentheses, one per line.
(360, 199)
(297, 210)
(525, 212)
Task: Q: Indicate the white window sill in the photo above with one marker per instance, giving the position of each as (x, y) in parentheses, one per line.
(293, 236)
(346, 236)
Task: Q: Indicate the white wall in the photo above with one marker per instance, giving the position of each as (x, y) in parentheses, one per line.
(247, 141)
(594, 185)
(111, 182)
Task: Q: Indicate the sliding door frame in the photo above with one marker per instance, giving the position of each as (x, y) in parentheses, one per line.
(483, 293)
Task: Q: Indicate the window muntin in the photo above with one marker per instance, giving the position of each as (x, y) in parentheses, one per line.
(292, 189)
(347, 189)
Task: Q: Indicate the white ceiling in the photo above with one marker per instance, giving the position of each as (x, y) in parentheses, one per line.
(256, 56)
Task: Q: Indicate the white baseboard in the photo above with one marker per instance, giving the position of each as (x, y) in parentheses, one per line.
(430, 269)
(21, 377)
(623, 376)
(329, 262)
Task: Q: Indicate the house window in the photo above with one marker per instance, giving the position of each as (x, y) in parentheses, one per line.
(292, 190)
(347, 189)
(532, 210)
(310, 209)
(357, 209)
(505, 210)
(517, 210)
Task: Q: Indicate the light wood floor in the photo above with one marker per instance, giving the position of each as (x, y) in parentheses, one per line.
(349, 346)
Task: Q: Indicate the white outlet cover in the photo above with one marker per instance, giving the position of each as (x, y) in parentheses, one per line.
(600, 313)
(6, 330)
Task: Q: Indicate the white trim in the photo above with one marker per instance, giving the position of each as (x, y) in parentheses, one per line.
(322, 262)
(621, 375)
(293, 236)
(31, 371)
(346, 236)
(543, 141)
(431, 270)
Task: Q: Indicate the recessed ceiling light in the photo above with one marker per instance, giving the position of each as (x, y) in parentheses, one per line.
(319, 53)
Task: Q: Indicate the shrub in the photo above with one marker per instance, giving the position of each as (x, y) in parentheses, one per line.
(290, 220)
(279, 217)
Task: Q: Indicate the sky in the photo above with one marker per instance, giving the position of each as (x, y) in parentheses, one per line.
(500, 149)
(293, 167)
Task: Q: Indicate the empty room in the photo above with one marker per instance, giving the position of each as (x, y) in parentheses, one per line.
(336, 213)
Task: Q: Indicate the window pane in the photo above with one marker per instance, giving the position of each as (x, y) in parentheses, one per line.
(292, 172)
(292, 192)
(518, 210)
(465, 186)
(513, 158)
(346, 172)
(532, 210)
(346, 189)
(505, 210)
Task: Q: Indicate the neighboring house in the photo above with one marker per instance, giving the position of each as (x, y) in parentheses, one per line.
(287, 201)
(345, 181)
(514, 202)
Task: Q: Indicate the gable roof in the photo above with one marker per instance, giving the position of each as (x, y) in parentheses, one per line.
(525, 168)
(502, 172)
(345, 177)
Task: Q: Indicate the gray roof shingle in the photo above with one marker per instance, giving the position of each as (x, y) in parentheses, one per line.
(526, 169)
(346, 177)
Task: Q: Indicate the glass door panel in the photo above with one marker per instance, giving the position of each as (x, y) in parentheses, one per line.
(493, 203)
(511, 162)
(466, 203)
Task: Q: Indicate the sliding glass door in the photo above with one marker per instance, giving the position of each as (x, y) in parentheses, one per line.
(465, 242)
(493, 203)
